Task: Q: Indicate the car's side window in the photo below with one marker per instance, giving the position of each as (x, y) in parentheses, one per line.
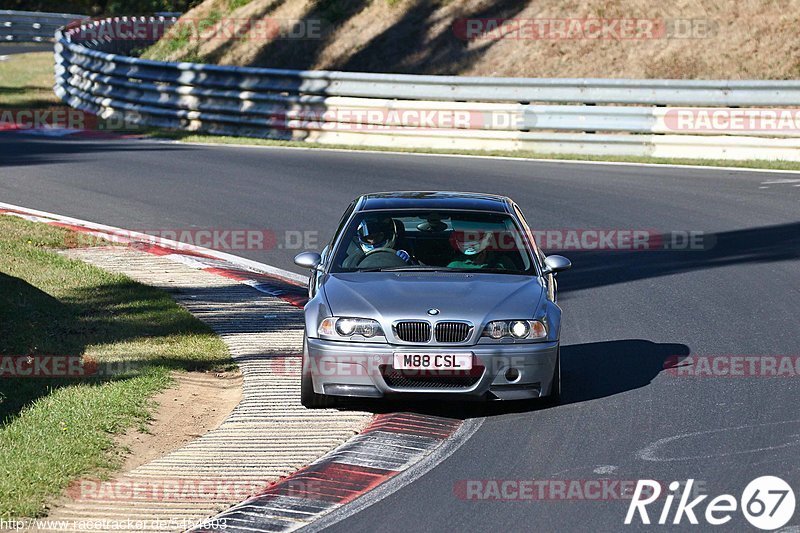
(339, 228)
(550, 280)
(343, 221)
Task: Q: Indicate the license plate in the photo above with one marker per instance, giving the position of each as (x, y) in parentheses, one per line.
(433, 361)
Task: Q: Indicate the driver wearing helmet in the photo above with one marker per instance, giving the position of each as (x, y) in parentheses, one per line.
(474, 252)
(376, 240)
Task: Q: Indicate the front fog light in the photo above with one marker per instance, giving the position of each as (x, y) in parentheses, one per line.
(519, 329)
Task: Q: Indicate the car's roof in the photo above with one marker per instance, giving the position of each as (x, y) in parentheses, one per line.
(434, 200)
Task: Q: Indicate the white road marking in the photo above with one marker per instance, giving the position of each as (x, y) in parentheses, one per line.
(241, 262)
(605, 469)
(650, 452)
(780, 181)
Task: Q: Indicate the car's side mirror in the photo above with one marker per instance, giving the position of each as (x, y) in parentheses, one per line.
(556, 263)
(309, 260)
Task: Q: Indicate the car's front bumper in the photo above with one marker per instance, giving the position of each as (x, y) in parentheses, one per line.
(359, 369)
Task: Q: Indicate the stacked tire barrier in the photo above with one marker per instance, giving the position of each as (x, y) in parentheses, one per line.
(660, 118)
(31, 26)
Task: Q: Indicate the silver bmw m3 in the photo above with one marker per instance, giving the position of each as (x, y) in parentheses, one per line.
(431, 294)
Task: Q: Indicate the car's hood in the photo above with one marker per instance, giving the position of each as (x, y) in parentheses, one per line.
(389, 296)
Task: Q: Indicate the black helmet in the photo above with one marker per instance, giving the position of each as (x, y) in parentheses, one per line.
(376, 233)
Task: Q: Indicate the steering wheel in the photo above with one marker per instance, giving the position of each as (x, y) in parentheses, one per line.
(391, 259)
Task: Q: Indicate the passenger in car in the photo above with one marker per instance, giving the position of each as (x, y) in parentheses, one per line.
(475, 253)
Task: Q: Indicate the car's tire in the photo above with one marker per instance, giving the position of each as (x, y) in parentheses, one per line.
(554, 398)
(309, 398)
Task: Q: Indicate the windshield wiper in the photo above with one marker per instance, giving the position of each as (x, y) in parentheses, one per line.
(487, 271)
(407, 268)
(423, 268)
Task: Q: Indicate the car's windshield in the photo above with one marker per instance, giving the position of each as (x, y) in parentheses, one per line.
(433, 240)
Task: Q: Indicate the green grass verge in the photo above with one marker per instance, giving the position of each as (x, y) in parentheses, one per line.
(26, 81)
(53, 430)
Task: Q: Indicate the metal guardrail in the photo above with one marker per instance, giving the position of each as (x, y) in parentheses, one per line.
(592, 116)
(32, 26)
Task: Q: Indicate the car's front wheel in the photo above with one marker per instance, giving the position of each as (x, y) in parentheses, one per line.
(308, 397)
(554, 398)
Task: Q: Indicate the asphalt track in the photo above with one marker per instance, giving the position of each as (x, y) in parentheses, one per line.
(624, 416)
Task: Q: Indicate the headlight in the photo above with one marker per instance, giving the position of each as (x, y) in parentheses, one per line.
(347, 327)
(519, 329)
(516, 329)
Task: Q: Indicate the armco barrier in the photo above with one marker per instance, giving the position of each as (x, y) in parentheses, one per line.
(587, 116)
(31, 26)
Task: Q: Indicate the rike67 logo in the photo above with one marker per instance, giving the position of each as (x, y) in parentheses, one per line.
(768, 503)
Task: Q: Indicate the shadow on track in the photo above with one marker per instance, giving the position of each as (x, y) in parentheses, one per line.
(590, 371)
(25, 149)
(753, 245)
